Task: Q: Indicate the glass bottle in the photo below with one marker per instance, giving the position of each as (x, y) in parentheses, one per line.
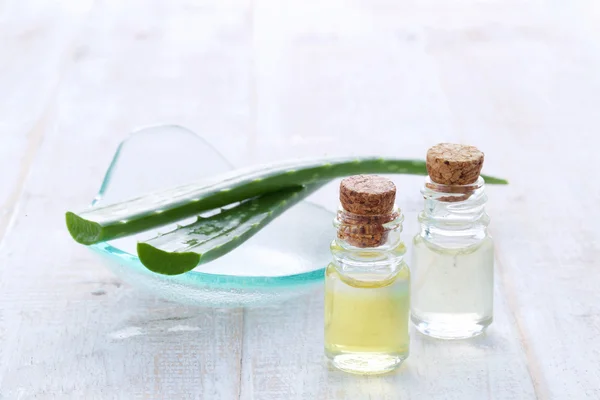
(367, 298)
(453, 262)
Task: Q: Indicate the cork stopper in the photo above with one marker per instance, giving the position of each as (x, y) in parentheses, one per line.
(454, 164)
(367, 195)
(368, 202)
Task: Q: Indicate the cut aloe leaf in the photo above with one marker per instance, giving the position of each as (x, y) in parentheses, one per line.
(186, 247)
(136, 215)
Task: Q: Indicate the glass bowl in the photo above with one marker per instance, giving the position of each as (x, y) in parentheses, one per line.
(284, 260)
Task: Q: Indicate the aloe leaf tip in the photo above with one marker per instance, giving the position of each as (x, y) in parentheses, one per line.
(164, 262)
(83, 231)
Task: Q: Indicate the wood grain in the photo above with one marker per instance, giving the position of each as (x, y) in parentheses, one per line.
(369, 84)
(267, 80)
(33, 43)
(72, 330)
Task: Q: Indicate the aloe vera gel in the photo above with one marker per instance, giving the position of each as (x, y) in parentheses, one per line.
(367, 285)
(453, 255)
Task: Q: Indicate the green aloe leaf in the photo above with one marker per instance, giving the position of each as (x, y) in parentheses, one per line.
(149, 211)
(181, 250)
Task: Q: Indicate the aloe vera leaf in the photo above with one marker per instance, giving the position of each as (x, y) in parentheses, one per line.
(181, 250)
(136, 215)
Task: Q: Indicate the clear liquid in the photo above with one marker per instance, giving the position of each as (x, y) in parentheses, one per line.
(366, 320)
(452, 289)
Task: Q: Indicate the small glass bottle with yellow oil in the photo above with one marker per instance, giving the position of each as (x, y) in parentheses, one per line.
(367, 299)
(453, 254)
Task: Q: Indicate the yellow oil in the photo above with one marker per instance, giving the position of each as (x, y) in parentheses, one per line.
(366, 320)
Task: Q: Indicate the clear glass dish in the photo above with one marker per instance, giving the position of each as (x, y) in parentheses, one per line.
(286, 259)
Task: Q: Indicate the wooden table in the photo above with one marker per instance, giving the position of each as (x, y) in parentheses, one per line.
(272, 79)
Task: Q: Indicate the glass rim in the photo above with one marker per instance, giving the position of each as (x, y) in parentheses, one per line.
(454, 189)
(195, 278)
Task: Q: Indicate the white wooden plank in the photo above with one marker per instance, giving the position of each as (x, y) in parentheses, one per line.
(33, 41)
(361, 80)
(71, 330)
(541, 118)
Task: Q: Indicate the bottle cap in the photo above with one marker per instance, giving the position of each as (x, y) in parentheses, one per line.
(368, 203)
(367, 195)
(454, 164)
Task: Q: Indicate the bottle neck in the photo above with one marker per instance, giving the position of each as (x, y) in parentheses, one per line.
(454, 216)
(371, 241)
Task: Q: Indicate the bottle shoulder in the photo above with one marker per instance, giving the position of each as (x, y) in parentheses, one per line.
(453, 246)
(364, 278)
(341, 251)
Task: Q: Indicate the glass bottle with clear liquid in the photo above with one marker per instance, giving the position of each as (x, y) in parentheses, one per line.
(453, 263)
(367, 294)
